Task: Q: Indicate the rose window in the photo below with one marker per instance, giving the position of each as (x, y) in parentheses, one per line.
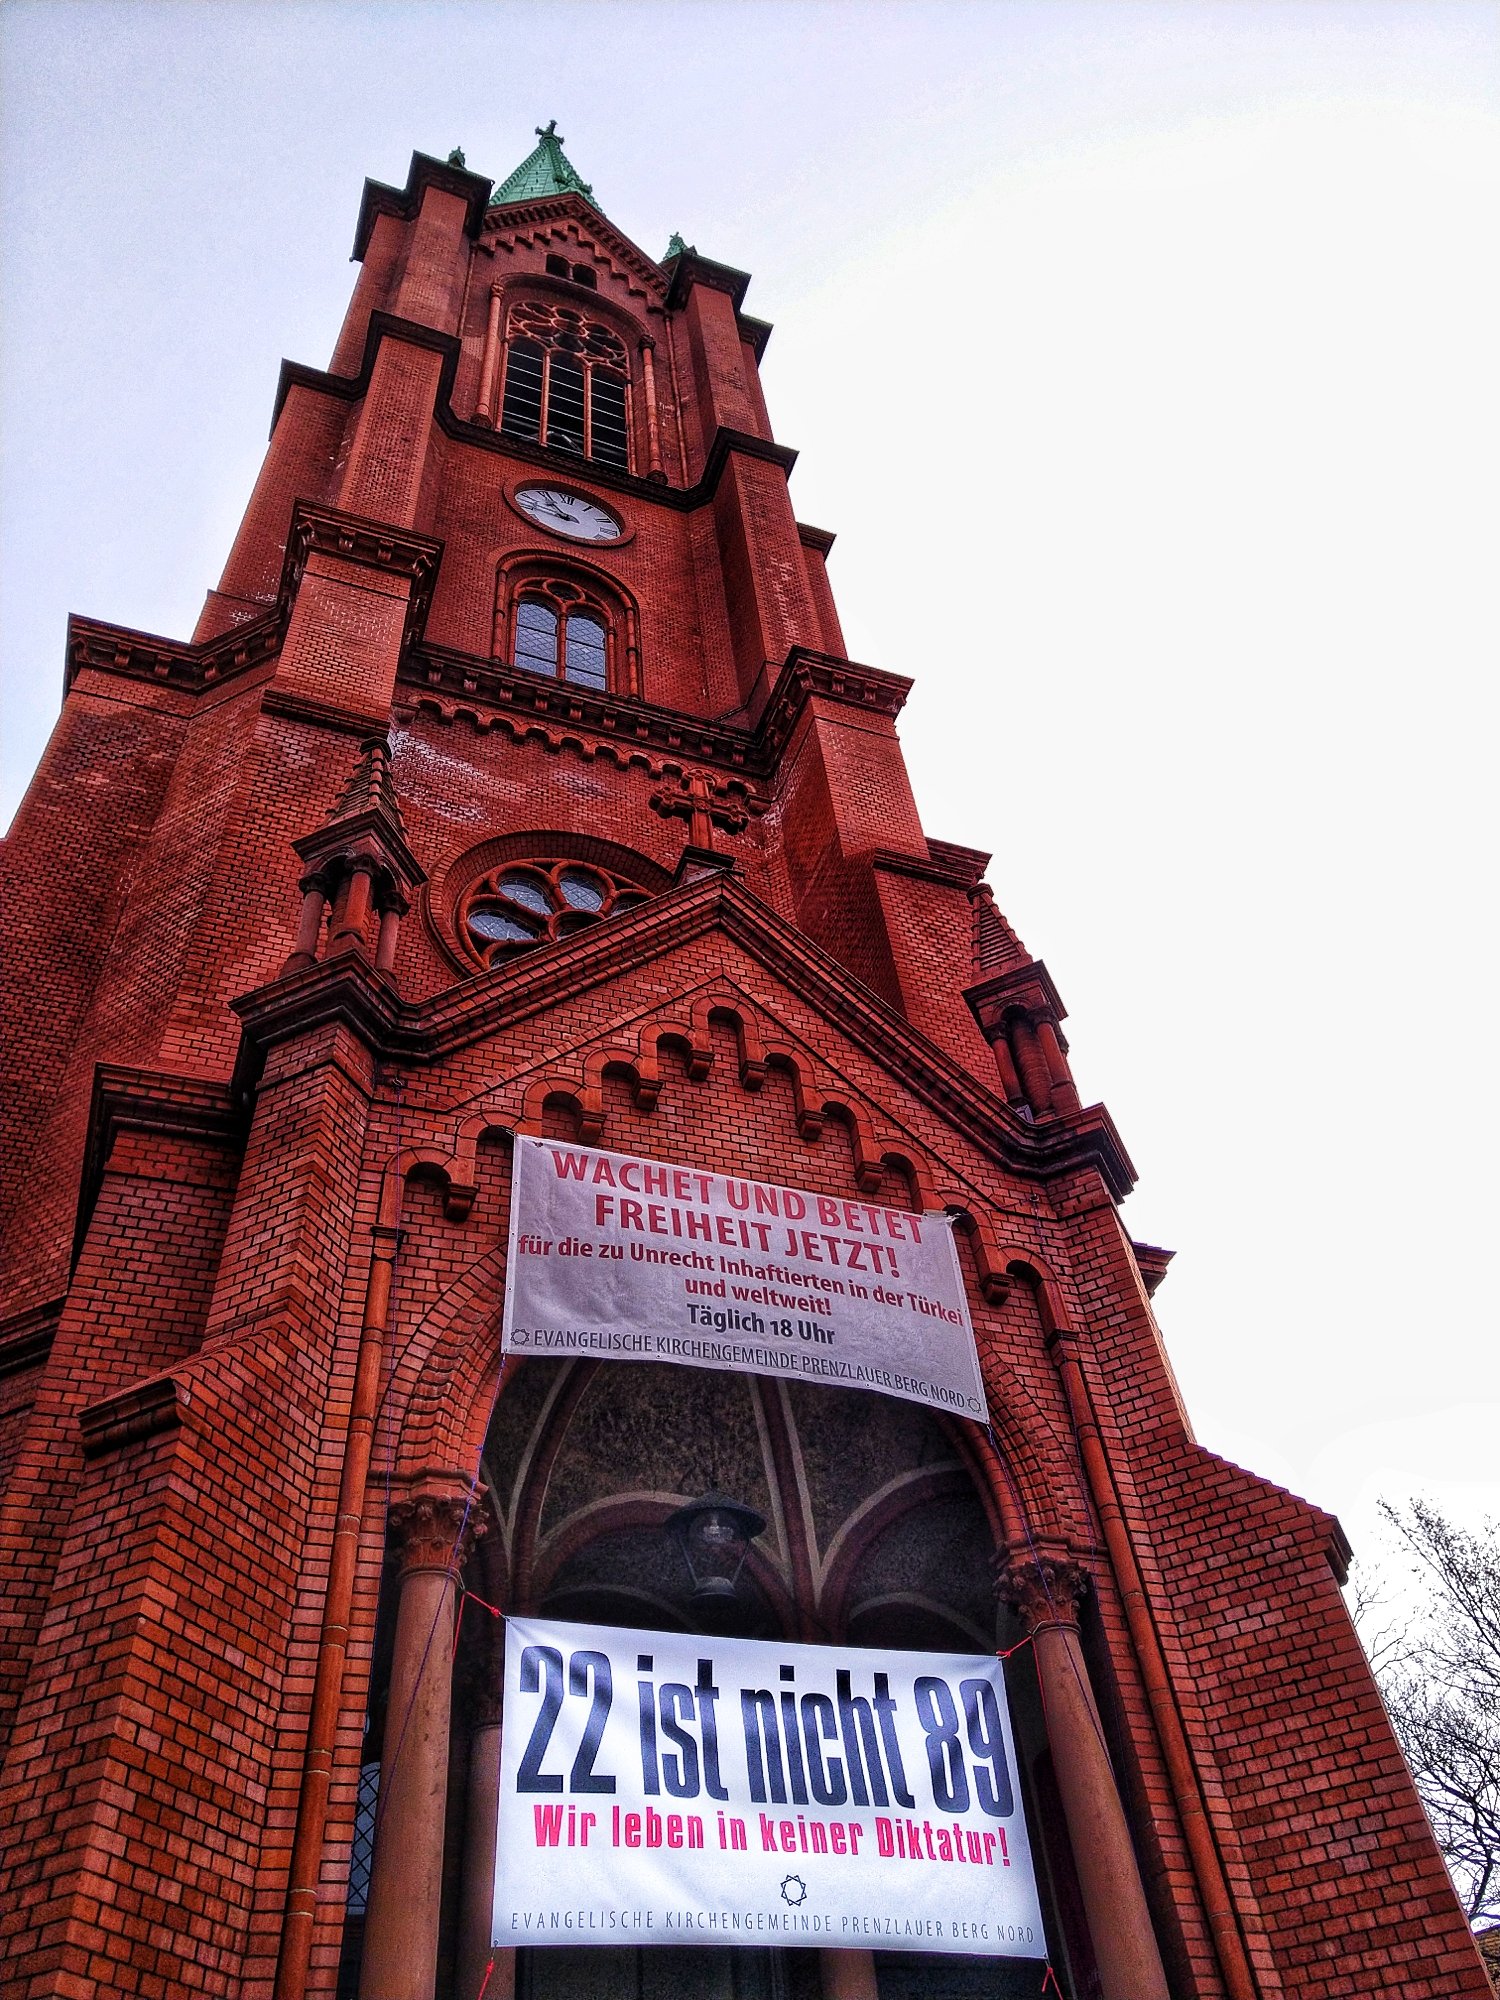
(535, 902)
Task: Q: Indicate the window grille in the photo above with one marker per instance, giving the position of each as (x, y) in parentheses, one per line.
(559, 633)
(362, 1853)
(567, 383)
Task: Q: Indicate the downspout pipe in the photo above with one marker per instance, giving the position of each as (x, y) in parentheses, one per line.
(1062, 1345)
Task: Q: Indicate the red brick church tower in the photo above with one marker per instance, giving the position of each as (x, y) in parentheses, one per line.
(515, 781)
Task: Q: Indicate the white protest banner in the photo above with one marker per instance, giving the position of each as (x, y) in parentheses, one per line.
(657, 1788)
(643, 1260)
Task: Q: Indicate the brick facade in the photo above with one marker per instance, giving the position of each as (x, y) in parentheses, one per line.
(254, 1193)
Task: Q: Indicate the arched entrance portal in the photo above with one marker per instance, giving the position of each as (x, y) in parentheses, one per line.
(878, 1534)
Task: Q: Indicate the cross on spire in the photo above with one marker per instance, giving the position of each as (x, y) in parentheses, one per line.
(545, 171)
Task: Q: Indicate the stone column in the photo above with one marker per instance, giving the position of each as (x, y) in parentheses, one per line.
(484, 408)
(653, 426)
(406, 1878)
(390, 930)
(352, 909)
(1046, 1592)
(309, 924)
(477, 1895)
(1005, 1063)
(1064, 1090)
(1027, 1052)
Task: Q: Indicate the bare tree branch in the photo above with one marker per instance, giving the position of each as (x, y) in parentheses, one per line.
(1386, 1639)
(1440, 1676)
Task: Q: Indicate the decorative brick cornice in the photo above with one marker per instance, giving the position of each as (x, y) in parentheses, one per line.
(174, 663)
(342, 988)
(807, 675)
(141, 1100)
(821, 539)
(756, 333)
(326, 531)
(640, 726)
(504, 217)
(969, 862)
(405, 203)
(1153, 1263)
(196, 668)
(1026, 986)
(315, 714)
(26, 1337)
(466, 676)
(144, 1410)
(725, 444)
(691, 269)
(349, 388)
(949, 867)
(426, 1031)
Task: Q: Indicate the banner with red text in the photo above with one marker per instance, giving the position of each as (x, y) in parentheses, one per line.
(657, 1788)
(643, 1260)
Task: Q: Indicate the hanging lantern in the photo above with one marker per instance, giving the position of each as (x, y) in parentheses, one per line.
(715, 1534)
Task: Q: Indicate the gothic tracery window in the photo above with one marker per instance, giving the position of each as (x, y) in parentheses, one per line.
(559, 631)
(567, 383)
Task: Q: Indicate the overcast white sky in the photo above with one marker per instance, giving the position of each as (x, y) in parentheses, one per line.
(1143, 358)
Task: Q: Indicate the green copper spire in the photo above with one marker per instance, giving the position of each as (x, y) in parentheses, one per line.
(546, 171)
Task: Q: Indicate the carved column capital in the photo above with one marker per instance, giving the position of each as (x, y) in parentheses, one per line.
(1045, 1590)
(425, 1530)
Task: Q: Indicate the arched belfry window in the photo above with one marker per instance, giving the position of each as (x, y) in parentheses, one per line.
(559, 631)
(567, 383)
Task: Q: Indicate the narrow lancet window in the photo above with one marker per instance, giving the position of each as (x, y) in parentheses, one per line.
(524, 374)
(584, 650)
(536, 636)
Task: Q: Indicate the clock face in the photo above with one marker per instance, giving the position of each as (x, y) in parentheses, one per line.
(568, 513)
